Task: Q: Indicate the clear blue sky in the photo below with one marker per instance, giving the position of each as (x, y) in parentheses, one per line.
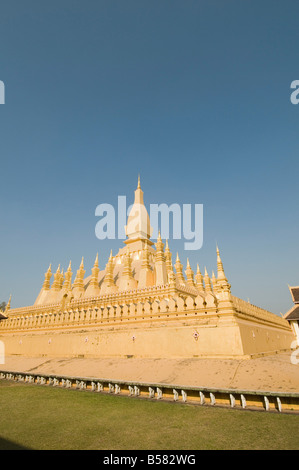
(193, 95)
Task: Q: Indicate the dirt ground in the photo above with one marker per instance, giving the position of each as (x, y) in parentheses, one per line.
(269, 373)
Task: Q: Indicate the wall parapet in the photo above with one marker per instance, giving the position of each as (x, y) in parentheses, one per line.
(233, 398)
(154, 304)
(243, 307)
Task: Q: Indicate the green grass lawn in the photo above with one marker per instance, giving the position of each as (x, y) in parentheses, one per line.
(41, 417)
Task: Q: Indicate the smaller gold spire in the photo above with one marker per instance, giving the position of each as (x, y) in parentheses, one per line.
(171, 278)
(159, 249)
(146, 277)
(168, 258)
(145, 264)
(8, 304)
(48, 275)
(214, 283)
(127, 280)
(179, 269)
(199, 280)
(57, 280)
(127, 271)
(61, 278)
(220, 270)
(68, 277)
(189, 274)
(208, 287)
(79, 280)
(94, 283)
(222, 282)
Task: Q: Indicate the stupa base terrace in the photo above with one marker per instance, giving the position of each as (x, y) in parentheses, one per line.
(141, 306)
(152, 327)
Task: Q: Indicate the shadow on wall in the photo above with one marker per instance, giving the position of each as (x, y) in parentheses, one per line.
(9, 445)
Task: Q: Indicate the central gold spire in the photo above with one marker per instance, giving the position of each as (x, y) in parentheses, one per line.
(138, 224)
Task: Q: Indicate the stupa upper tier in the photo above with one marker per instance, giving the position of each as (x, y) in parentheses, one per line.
(140, 264)
(138, 225)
